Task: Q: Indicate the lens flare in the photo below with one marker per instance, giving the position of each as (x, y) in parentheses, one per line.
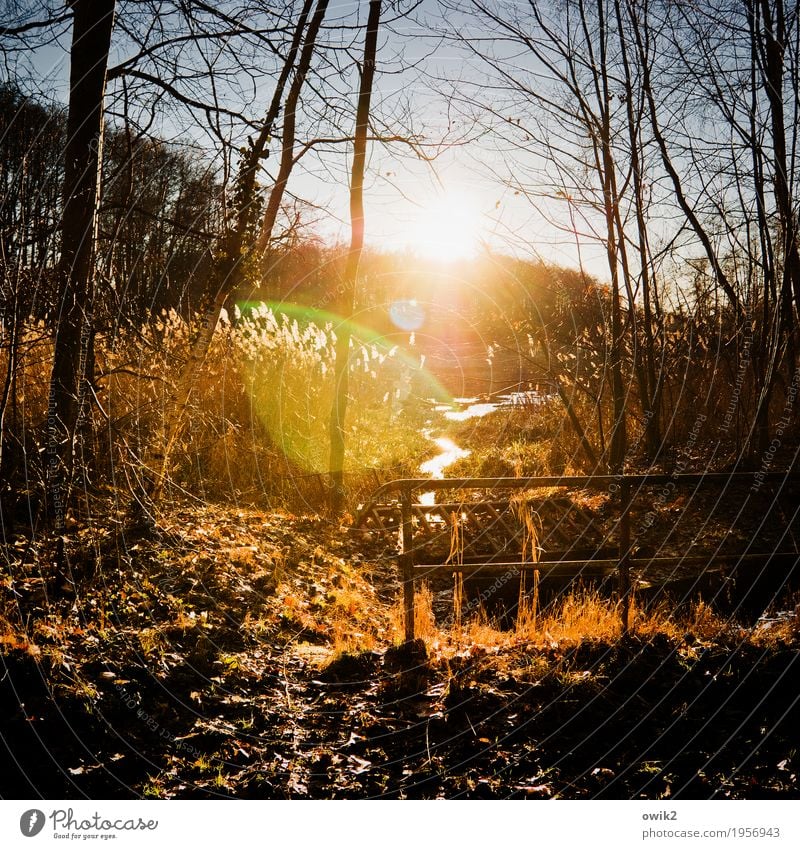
(289, 355)
(407, 315)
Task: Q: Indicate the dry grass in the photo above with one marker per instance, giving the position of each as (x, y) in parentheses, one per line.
(784, 630)
(257, 424)
(456, 557)
(13, 638)
(582, 614)
(525, 441)
(357, 621)
(531, 524)
(346, 640)
(425, 627)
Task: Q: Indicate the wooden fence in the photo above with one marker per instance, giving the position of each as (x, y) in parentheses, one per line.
(396, 498)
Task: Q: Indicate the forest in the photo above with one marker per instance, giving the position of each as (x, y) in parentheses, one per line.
(399, 399)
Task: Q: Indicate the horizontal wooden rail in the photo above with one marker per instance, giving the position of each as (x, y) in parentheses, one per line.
(625, 486)
(550, 568)
(580, 481)
(590, 566)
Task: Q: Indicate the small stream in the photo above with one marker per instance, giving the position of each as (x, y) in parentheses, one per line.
(449, 453)
(461, 410)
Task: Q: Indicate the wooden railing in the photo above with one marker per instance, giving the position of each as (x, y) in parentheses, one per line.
(624, 488)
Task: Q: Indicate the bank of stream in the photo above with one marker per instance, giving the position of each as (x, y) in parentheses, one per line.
(666, 523)
(462, 410)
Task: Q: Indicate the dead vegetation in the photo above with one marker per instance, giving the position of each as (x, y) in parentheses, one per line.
(243, 653)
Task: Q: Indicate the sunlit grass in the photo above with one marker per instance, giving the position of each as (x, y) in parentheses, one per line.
(257, 425)
(287, 371)
(581, 614)
(519, 442)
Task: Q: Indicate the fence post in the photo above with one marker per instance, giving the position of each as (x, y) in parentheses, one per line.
(624, 555)
(406, 562)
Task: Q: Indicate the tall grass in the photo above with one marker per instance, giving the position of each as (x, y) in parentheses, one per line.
(256, 427)
(286, 367)
(520, 441)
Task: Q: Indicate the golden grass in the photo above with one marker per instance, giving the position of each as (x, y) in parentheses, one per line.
(531, 523)
(582, 614)
(456, 557)
(424, 621)
(346, 640)
(256, 428)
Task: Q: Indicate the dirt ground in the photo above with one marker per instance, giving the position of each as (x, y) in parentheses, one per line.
(255, 655)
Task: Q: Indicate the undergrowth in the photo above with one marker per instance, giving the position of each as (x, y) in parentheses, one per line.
(584, 614)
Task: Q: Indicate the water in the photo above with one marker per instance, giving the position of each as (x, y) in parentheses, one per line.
(461, 410)
(449, 453)
(473, 411)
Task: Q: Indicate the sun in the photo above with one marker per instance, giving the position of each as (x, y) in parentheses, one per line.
(446, 230)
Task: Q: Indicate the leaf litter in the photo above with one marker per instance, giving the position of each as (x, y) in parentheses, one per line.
(254, 655)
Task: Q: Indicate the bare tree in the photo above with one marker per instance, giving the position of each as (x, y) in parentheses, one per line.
(91, 40)
(737, 65)
(578, 123)
(345, 307)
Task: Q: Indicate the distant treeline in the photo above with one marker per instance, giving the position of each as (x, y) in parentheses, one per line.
(159, 214)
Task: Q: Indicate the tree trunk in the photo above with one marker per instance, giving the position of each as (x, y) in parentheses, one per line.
(228, 271)
(606, 168)
(91, 40)
(586, 445)
(767, 31)
(775, 34)
(11, 322)
(649, 383)
(345, 306)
